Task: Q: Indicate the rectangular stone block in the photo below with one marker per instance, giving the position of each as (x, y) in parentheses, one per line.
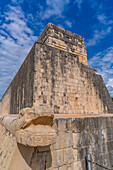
(78, 125)
(109, 134)
(62, 125)
(110, 146)
(64, 140)
(77, 140)
(57, 158)
(75, 154)
(77, 165)
(85, 138)
(68, 155)
(89, 124)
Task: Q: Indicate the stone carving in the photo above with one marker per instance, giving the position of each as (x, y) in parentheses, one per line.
(56, 83)
(62, 39)
(32, 127)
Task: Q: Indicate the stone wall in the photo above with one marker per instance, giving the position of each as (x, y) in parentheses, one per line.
(63, 82)
(20, 92)
(5, 102)
(76, 138)
(58, 78)
(60, 38)
(53, 77)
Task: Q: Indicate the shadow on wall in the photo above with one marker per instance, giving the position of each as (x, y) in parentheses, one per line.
(35, 158)
(94, 137)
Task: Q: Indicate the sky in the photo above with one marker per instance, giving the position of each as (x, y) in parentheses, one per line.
(22, 21)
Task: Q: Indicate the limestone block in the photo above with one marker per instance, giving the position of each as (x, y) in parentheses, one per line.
(68, 155)
(69, 125)
(78, 125)
(66, 167)
(29, 114)
(89, 124)
(64, 140)
(82, 152)
(52, 168)
(106, 161)
(109, 132)
(110, 146)
(99, 136)
(75, 154)
(102, 136)
(109, 121)
(40, 135)
(62, 125)
(96, 123)
(96, 150)
(94, 137)
(77, 165)
(85, 138)
(102, 122)
(57, 158)
(32, 126)
(77, 142)
(111, 158)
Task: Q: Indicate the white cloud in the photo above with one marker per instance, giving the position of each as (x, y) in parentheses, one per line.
(54, 8)
(104, 19)
(17, 1)
(68, 23)
(92, 3)
(104, 58)
(98, 35)
(16, 39)
(110, 82)
(103, 61)
(79, 3)
(103, 25)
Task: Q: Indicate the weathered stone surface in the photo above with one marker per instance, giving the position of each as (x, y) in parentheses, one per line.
(32, 126)
(56, 81)
(56, 73)
(62, 39)
(57, 158)
(68, 152)
(68, 155)
(77, 141)
(7, 147)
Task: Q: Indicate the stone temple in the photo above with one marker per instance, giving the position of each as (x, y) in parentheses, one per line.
(57, 111)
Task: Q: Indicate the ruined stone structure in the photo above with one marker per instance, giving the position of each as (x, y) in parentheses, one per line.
(56, 73)
(57, 110)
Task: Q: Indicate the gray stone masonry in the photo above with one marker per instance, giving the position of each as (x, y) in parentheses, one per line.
(56, 76)
(76, 138)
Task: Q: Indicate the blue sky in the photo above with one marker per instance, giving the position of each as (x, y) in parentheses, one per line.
(22, 21)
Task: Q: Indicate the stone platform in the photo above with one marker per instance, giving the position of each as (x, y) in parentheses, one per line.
(76, 137)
